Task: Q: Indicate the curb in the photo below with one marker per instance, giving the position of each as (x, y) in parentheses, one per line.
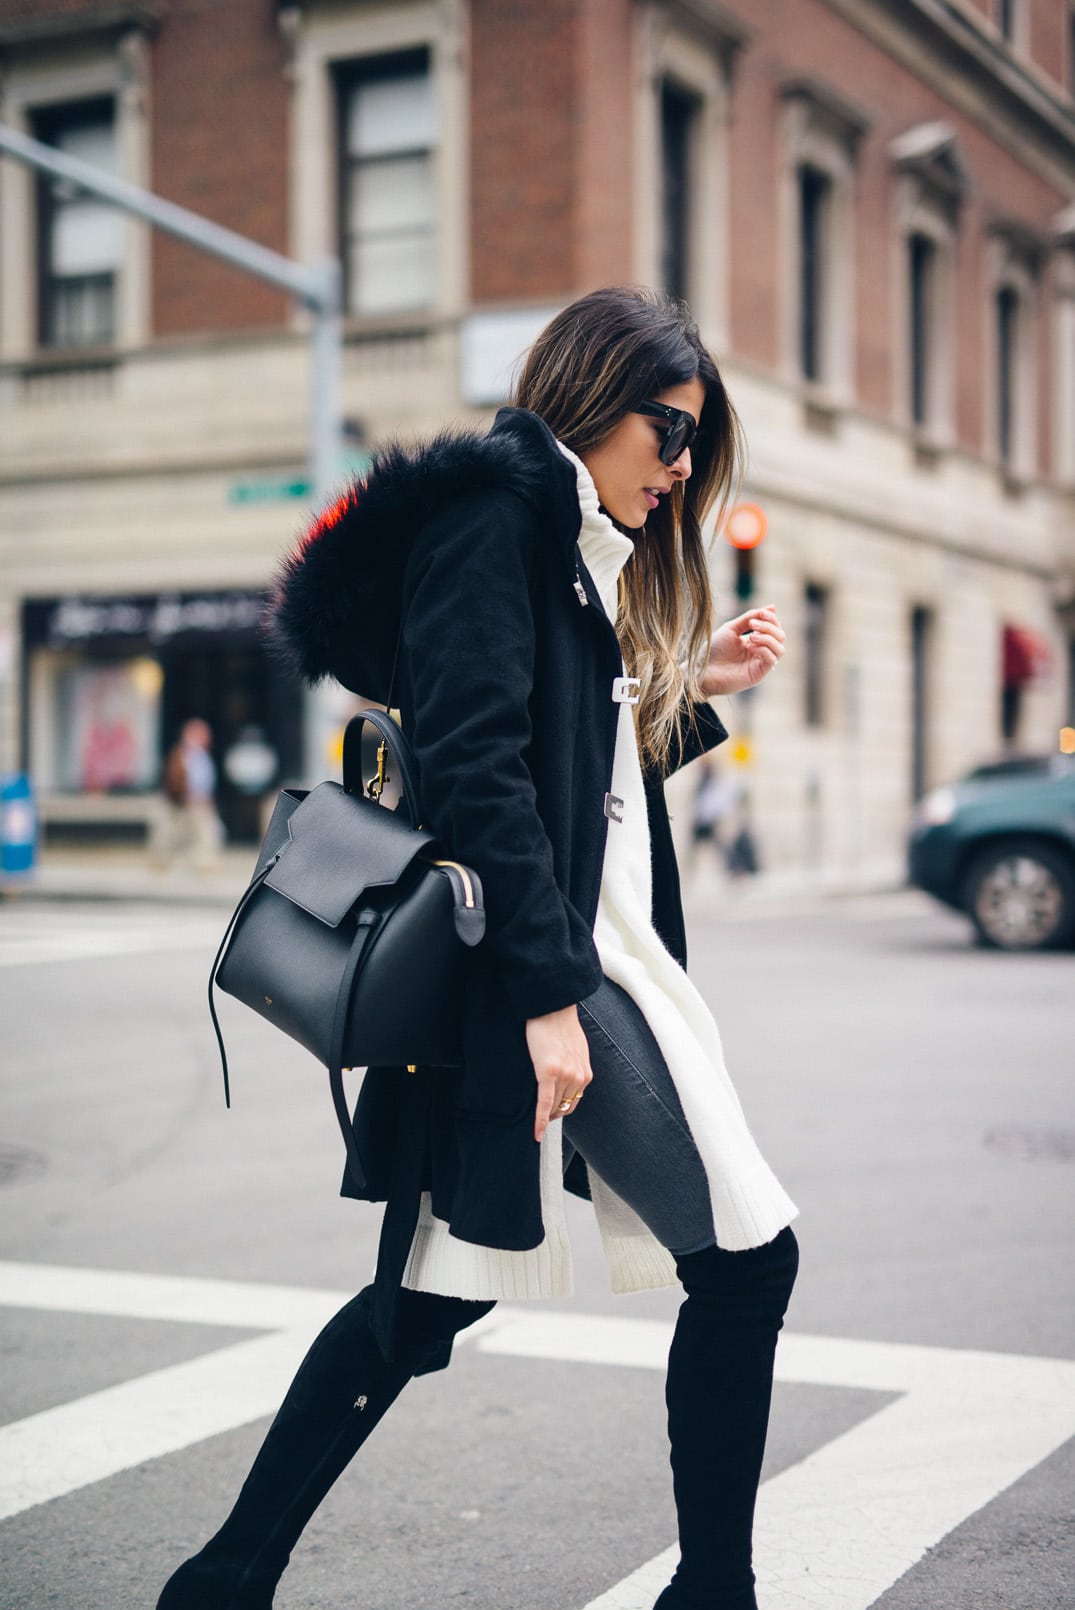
(133, 882)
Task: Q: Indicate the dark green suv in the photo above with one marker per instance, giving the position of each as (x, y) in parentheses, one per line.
(1000, 845)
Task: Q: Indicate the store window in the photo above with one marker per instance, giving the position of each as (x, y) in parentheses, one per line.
(680, 113)
(106, 724)
(80, 239)
(388, 195)
(112, 680)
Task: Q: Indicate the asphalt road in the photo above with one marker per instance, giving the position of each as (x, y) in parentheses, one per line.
(914, 1093)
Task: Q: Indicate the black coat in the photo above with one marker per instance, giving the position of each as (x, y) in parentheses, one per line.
(468, 547)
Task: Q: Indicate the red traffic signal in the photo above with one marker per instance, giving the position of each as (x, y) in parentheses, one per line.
(746, 525)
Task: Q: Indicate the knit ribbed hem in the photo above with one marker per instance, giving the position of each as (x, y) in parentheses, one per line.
(751, 1210)
(440, 1262)
(638, 1263)
(450, 1267)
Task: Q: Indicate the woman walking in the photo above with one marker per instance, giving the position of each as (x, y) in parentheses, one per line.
(536, 602)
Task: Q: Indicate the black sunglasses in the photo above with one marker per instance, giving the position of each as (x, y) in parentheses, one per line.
(681, 429)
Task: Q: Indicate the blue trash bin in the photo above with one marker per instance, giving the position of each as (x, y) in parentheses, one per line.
(18, 826)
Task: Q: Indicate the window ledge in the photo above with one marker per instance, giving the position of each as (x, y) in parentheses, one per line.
(64, 376)
(61, 27)
(53, 360)
(821, 409)
(388, 326)
(928, 448)
(1014, 483)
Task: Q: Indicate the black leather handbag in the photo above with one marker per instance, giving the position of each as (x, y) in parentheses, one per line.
(353, 933)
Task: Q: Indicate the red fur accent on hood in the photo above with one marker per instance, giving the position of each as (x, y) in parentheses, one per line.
(332, 515)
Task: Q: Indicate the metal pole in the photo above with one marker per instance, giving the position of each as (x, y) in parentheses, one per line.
(189, 226)
(326, 365)
(317, 288)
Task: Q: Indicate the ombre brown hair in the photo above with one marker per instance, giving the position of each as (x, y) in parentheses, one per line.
(592, 364)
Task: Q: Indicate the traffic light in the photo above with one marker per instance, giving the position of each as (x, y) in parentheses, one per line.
(744, 575)
(744, 528)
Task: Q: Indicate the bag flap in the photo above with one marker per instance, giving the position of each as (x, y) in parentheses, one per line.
(276, 834)
(340, 845)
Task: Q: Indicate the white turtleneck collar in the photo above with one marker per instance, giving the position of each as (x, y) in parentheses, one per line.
(605, 549)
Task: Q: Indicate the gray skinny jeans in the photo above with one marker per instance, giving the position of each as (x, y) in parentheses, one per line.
(629, 1125)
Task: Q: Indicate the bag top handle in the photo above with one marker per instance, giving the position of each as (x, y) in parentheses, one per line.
(391, 734)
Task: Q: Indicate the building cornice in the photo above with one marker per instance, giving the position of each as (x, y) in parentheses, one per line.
(706, 21)
(991, 54)
(729, 34)
(846, 122)
(74, 26)
(1022, 242)
(943, 42)
(930, 151)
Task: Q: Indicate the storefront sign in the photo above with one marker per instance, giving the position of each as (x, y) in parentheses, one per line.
(69, 621)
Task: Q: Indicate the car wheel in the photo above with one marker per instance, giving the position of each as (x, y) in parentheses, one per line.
(1020, 895)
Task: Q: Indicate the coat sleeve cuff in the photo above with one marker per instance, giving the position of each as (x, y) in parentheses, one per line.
(702, 731)
(550, 990)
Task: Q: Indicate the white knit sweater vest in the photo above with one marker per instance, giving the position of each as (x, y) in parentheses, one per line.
(749, 1205)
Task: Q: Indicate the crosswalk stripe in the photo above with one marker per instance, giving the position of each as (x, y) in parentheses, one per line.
(836, 1530)
(53, 1453)
(833, 1532)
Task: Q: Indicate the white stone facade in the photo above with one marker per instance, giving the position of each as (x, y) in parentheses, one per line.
(137, 472)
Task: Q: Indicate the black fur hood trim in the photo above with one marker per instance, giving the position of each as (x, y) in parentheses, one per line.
(336, 606)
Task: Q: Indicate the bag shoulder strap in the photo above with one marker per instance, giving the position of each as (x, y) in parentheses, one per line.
(248, 894)
(367, 920)
(391, 734)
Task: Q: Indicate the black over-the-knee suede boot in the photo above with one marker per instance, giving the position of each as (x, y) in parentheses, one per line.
(343, 1387)
(720, 1377)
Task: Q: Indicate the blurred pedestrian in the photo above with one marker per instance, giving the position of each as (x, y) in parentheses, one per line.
(536, 601)
(190, 829)
(741, 854)
(716, 797)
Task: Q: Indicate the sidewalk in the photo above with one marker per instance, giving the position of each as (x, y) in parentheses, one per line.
(100, 874)
(113, 874)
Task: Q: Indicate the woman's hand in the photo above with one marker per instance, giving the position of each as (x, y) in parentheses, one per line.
(560, 1053)
(743, 651)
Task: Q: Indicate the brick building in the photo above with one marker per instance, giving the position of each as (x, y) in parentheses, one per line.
(870, 204)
